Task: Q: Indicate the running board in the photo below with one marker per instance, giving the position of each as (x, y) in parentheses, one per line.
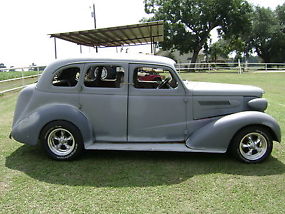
(179, 147)
(167, 147)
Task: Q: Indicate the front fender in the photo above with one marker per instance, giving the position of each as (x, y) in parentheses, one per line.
(217, 135)
(28, 129)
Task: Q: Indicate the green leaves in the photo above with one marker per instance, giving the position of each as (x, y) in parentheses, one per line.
(188, 23)
(220, 48)
(267, 34)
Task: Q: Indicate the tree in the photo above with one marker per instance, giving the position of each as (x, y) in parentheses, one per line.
(280, 12)
(263, 30)
(267, 37)
(188, 23)
(219, 48)
(2, 65)
(233, 44)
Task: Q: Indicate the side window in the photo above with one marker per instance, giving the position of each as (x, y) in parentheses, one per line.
(106, 76)
(67, 77)
(154, 78)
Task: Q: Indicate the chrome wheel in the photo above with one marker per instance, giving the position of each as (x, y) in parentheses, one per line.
(253, 146)
(61, 142)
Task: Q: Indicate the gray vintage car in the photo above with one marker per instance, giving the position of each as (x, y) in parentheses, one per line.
(77, 105)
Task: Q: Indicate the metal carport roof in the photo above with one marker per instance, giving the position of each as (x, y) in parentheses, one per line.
(136, 34)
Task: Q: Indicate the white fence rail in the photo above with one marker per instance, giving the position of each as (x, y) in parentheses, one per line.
(20, 78)
(13, 84)
(27, 68)
(226, 67)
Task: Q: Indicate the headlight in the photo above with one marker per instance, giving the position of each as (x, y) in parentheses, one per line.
(258, 104)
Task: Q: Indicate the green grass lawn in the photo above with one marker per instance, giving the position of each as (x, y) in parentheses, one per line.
(17, 83)
(144, 182)
(16, 74)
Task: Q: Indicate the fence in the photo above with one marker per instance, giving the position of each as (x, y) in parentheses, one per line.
(229, 67)
(21, 77)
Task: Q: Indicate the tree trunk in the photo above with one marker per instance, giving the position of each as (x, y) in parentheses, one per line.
(194, 59)
(197, 50)
(266, 58)
(264, 55)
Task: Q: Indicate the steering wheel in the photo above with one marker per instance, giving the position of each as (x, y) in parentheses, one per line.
(164, 83)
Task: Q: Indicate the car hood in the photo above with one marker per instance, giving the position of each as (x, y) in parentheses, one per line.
(221, 89)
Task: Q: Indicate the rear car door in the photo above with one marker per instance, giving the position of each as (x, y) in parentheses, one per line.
(103, 99)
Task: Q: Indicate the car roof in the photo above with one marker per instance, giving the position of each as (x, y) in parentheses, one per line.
(129, 58)
(44, 82)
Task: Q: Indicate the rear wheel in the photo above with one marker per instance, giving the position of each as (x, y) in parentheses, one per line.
(62, 140)
(252, 144)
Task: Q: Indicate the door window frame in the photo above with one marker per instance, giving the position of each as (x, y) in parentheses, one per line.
(179, 90)
(66, 89)
(105, 90)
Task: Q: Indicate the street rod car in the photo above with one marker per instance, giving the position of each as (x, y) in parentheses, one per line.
(73, 108)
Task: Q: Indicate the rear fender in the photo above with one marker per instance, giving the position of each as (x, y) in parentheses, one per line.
(28, 129)
(218, 134)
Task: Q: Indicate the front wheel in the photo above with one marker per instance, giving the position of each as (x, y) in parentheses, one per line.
(62, 140)
(252, 144)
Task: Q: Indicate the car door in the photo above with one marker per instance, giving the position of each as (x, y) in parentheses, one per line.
(103, 99)
(155, 113)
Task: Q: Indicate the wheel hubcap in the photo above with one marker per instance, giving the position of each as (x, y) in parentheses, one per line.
(61, 142)
(253, 146)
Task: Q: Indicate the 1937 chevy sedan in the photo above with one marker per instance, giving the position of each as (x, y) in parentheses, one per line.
(77, 105)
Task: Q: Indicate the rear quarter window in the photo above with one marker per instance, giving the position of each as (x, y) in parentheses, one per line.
(66, 77)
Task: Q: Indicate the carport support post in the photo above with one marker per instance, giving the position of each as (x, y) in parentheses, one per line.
(55, 51)
(95, 25)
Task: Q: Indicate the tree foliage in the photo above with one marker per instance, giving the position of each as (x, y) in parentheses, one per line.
(267, 37)
(188, 23)
(2, 65)
(280, 12)
(221, 48)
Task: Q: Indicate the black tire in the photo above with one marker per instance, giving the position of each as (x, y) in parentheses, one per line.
(252, 144)
(62, 140)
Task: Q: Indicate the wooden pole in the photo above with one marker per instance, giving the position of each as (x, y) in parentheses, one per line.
(55, 50)
(95, 24)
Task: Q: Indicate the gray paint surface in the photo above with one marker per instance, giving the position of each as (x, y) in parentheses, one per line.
(217, 134)
(191, 117)
(156, 115)
(105, 108)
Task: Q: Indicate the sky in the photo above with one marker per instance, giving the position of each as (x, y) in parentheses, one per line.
(25, 25)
